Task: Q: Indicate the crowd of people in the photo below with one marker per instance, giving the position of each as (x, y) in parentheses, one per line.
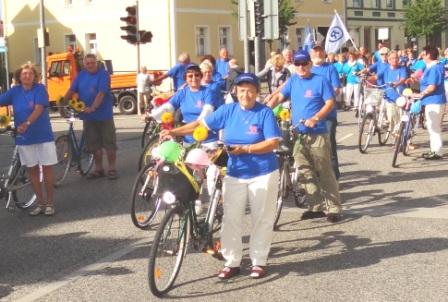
(217, 94)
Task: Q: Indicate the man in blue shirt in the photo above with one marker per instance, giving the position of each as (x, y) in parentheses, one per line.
(329, 71)
(312, 100)
(177, 72)
(222, 64)
(93, 87)
(379, 66)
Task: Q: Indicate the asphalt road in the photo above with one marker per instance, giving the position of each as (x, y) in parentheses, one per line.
(392, 244)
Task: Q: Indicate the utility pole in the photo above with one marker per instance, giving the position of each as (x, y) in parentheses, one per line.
(43, 49)
(243, 17)
(138, 38)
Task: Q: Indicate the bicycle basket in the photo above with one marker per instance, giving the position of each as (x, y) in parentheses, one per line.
(220, 157)
(372, 96)
(177, 179)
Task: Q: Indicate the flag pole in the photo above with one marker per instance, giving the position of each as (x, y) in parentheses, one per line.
(350, 37)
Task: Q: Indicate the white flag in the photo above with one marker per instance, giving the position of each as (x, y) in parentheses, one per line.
(337, 35)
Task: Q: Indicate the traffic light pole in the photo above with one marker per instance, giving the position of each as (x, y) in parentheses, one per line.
(42, 50)
(138, 38)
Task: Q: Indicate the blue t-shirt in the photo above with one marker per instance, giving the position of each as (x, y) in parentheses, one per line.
(217, 96)
(350, 71)
(308, 96)
(376, 56)
(23, 102)
(329, 72)
(222, 66)
(338, 66)
(87, 85)
(433, 76)
(177, 74)
(419, 64)
(378, 68)
(244, 127)
(391, 76)
(191, 104)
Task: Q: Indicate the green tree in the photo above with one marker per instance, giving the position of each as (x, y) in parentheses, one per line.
(425, 18)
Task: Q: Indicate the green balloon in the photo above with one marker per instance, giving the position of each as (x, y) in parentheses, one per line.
(170, 151)
(277, 110)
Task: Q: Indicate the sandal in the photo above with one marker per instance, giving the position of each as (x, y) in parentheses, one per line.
(49, 210)
(257, 272)
(228, 272)
(37, 210)
(96, 174)
(112, 174)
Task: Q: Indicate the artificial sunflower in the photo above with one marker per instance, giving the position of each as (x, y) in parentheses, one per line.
(285, 115)
(167, 118)
(200, 133)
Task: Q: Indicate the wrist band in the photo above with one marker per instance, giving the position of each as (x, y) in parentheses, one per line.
(249, 149)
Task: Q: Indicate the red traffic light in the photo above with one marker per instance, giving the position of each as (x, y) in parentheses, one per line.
(145, 36)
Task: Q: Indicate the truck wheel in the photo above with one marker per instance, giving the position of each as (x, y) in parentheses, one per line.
(127, 104)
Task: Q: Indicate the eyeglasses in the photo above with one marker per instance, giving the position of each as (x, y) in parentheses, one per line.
(383, 54)
(196, 75)
(300, 63)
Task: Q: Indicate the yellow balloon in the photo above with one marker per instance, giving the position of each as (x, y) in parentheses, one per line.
(285, 115)
(167, 118)
(200, 133)
(407, 92)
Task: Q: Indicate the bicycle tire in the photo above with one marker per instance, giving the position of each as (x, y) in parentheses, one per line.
(176, 221)
(146, 155)
(368, 124)
(216, 210)
(85, 162)
(144, 205)
(383, 132)
(64, 156)
(22, 192)
(281, 194)
(407, 135)
(147, 133)
(398, 143)
(298, 192)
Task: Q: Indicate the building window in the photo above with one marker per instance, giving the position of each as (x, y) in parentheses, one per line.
(70, 42)
(390, 4)
(225, 38)
(406, 3)
(375, 3)
(376, 14)
(202, 41)
(390, 14)
(327, 1)
(91, 44)
(357, 3)
(299, 36)
(358, 13)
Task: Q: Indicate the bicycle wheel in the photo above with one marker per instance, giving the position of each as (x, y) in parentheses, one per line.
(366, 132)
(299, 193)
(168, 250)
(407, 135)
(398, 144)
(22, 190)
(146, 155)
(85, 162)
(383, 130)
(282, 192)
(64, 156)
(144, 204)
(147, 132)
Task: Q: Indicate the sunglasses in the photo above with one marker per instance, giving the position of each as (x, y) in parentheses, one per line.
(300, 63)
(383, 54)
(196, 75)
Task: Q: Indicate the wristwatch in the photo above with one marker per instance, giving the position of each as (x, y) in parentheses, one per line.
(316, 118)
(28, 122)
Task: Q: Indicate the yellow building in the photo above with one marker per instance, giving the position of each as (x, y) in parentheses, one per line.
(368, 19)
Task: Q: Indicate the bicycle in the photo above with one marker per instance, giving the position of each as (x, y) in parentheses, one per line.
(289, 172)
(374, 117)
(71, 151)
(15, 186)
(152, 127)
(178, 190)
(410, 109)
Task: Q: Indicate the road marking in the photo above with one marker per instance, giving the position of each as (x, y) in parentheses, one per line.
(64, 280)
(344, 137)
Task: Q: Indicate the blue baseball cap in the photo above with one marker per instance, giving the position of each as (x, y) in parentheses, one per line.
(192, 66)
(301, 56)
(247, 78)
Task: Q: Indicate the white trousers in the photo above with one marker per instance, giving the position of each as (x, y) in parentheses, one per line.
(355, 91)
(434, 114)
(261, 192)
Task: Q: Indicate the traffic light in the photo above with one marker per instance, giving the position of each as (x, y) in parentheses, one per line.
(145, 36)
(258, 14)
(131, 25)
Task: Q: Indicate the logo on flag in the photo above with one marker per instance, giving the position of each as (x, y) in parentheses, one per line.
(337, 35)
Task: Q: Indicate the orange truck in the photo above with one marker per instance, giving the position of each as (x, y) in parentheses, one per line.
(64, 67)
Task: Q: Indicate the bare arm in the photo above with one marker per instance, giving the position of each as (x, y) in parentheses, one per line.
(96, 103)
(262, 147)
(38, 109)
(322, 114)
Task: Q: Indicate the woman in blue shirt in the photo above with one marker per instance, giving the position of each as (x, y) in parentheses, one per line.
(351, 70)
(433, 98)
(34, 134)
(251, 130)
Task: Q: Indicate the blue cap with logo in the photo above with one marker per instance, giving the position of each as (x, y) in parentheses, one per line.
(192, 66)
(301, 56)
(247, 78)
